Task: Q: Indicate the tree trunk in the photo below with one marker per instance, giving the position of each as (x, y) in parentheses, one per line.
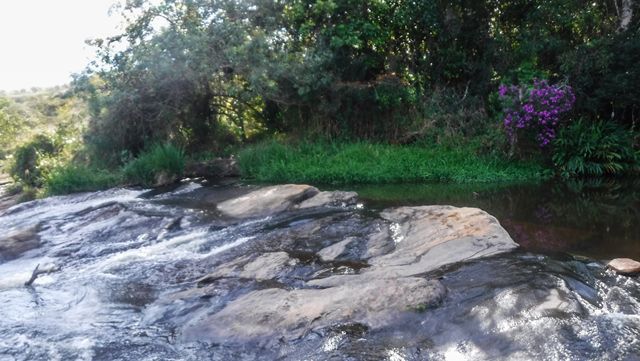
(625, 14)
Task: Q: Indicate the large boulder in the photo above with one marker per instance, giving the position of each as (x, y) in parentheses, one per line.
(429, 237)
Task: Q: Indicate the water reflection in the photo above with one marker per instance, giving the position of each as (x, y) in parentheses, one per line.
(593, 218)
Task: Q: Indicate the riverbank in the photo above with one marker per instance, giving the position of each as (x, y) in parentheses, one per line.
(6, 199)
(371, 163)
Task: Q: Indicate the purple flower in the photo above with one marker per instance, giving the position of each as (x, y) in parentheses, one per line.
(502, 91)
(538, 108)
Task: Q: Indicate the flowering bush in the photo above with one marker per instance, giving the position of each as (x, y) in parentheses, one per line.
(536, 109)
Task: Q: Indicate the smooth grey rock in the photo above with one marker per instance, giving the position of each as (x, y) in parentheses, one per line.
(379, 243)
(266, 266)
(411, 241)
(18, 242)
(267, 201)
(332, 252)
(624, 266)
(330, 199)
(429, 237)
(267, 312)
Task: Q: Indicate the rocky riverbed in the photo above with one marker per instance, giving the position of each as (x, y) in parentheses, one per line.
(291, 272)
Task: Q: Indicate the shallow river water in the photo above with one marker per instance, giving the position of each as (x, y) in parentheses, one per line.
(121, 262)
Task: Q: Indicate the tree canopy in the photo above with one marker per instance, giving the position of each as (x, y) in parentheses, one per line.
(204, 73)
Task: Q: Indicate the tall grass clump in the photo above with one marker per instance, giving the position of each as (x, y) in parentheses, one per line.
(363, 162)
(72, 178)
(161, 163)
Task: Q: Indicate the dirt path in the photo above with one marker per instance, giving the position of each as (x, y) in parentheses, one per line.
(6, 200)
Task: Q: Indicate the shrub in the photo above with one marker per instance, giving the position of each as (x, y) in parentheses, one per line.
(160, 162)
(30, 160)
(594, 149)
(72, 178)
(535, 110)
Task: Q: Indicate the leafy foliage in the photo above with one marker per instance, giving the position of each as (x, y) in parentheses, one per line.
(160, 160)
(595, 149)
(211, 75)
(605, 74)
(30, 164)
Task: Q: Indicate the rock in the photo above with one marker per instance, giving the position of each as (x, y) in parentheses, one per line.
(364, 300)
(275, 199)
(164, 179)
(15, 244)
(8, 201)
(410, 242)
(332, 252)
(267, 201)
(264, 267)
(212, 169)
(429, 237)
(379, 243)
(330, 199)
(624, 266)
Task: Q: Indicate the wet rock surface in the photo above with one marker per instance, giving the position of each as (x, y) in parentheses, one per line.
(267, 201)
(276, 312)
(418, 240)
(168, 275)
(624, 266)
(17, 242)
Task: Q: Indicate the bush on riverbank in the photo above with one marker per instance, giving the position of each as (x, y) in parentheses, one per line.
(598, 149)
(71, 178)
(164, 161)
(345, 163)
(160, 162)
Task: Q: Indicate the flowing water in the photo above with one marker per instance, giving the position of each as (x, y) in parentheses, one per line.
(121, 271)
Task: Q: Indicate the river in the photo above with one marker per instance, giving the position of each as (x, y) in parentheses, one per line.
(126, 268)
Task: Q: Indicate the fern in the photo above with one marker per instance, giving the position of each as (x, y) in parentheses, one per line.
(594, 149)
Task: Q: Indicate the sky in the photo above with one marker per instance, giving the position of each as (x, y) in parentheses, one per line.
(42, 42)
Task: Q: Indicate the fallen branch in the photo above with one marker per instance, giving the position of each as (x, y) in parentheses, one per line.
(37, 272)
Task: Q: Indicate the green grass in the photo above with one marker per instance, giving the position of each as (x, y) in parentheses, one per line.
(351, 163)
(144, 170)
(159, 159)
(73, 178)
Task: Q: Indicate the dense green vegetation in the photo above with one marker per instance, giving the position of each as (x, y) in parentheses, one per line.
(157, 165)
(71, 178)
(349, 163)
(383, 88)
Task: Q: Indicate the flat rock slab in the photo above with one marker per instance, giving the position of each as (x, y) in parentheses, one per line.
(267, 201)
(410, 243)
(430, 237)
(272, 311)
(276, 199)
(624, 266)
